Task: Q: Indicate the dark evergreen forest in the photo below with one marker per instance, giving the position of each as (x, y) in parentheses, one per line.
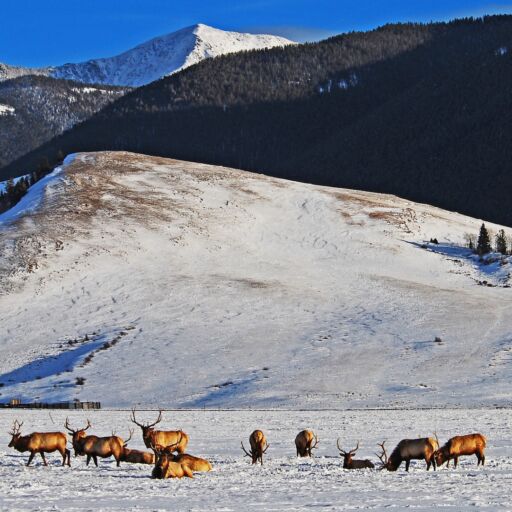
(421, 111)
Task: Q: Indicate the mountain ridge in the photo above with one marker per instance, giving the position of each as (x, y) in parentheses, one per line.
(155, 58)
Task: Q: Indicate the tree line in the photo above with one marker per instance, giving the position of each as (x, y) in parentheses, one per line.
(416, 110)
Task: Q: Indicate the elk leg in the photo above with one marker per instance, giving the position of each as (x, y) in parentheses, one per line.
(455, 461)
(67, 454)
(483, 458)
(88, 460)
(30, 458)
(407, 464)
(95, 459)
(44, 458)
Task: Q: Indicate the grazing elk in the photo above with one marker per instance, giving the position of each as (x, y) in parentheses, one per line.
(259, 446)
(39, 442)
(166, 467)
(154, 437)
(470, 444)
(136, 456)
(94, 446)
(409, 449)
(305, 442)
(349, 462)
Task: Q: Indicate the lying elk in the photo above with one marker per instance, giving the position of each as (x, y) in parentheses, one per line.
(349, 462)
(136, 456)
(39, 442)
(94, 446)
(259, 446)
(409, 449)
(196, 464)
(166, 467)
(305, 442)
(470, 444)
(153, 437)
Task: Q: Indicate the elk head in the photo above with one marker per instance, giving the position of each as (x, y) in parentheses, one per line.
(76, 435)
(147, 428)
(347, 456)
(15, 433)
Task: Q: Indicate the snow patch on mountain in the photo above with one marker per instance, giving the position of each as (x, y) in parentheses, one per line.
(6, 110)
(165, 55)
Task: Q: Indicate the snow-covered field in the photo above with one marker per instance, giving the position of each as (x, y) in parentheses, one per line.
(284, 482)
(167, 283)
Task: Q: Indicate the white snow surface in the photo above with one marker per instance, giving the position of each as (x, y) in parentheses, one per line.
(284, 482)
(200, 286)
(165, 55)
(6, 110)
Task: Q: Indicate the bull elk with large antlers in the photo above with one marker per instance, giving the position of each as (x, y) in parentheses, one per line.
(39, 442)
(409, 449)
(153, 437)
(305, 442)
(259, 446)
(349, 462)
(94, 446)
(470, 444)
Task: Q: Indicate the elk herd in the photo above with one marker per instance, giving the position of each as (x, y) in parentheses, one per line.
(169, 458)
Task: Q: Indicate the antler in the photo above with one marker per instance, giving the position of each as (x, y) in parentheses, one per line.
(316, 442)
(383, 456)
(156, 448)
(16, 427)
(130, 430)
(437, 439)
(134, 420)
(146, 425)
(355, 449)
(67, 427)
(267, 446)
(246, 452)
(158, 420)
(342, 452)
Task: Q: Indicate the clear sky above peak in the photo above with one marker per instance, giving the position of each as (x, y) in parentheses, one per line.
(52, 32)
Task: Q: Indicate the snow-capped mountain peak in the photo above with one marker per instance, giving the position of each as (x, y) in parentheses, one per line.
(164, 55)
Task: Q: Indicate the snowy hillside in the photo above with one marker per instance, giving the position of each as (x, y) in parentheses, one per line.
(170, 283)
(156, 58)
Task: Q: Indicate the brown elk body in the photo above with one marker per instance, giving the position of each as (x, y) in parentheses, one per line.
(470, 444)
(305, 442)
(40, 442)
(194, 463)
(166, 467)
(153, 437)
(94, 446)
(350, 463)
(137, 456)
(259, 446)
(410, 449)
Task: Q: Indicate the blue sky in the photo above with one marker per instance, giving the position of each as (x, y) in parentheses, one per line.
(50, 32)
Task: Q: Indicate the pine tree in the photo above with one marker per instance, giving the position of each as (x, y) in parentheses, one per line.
(501, 242)
(484, 242)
